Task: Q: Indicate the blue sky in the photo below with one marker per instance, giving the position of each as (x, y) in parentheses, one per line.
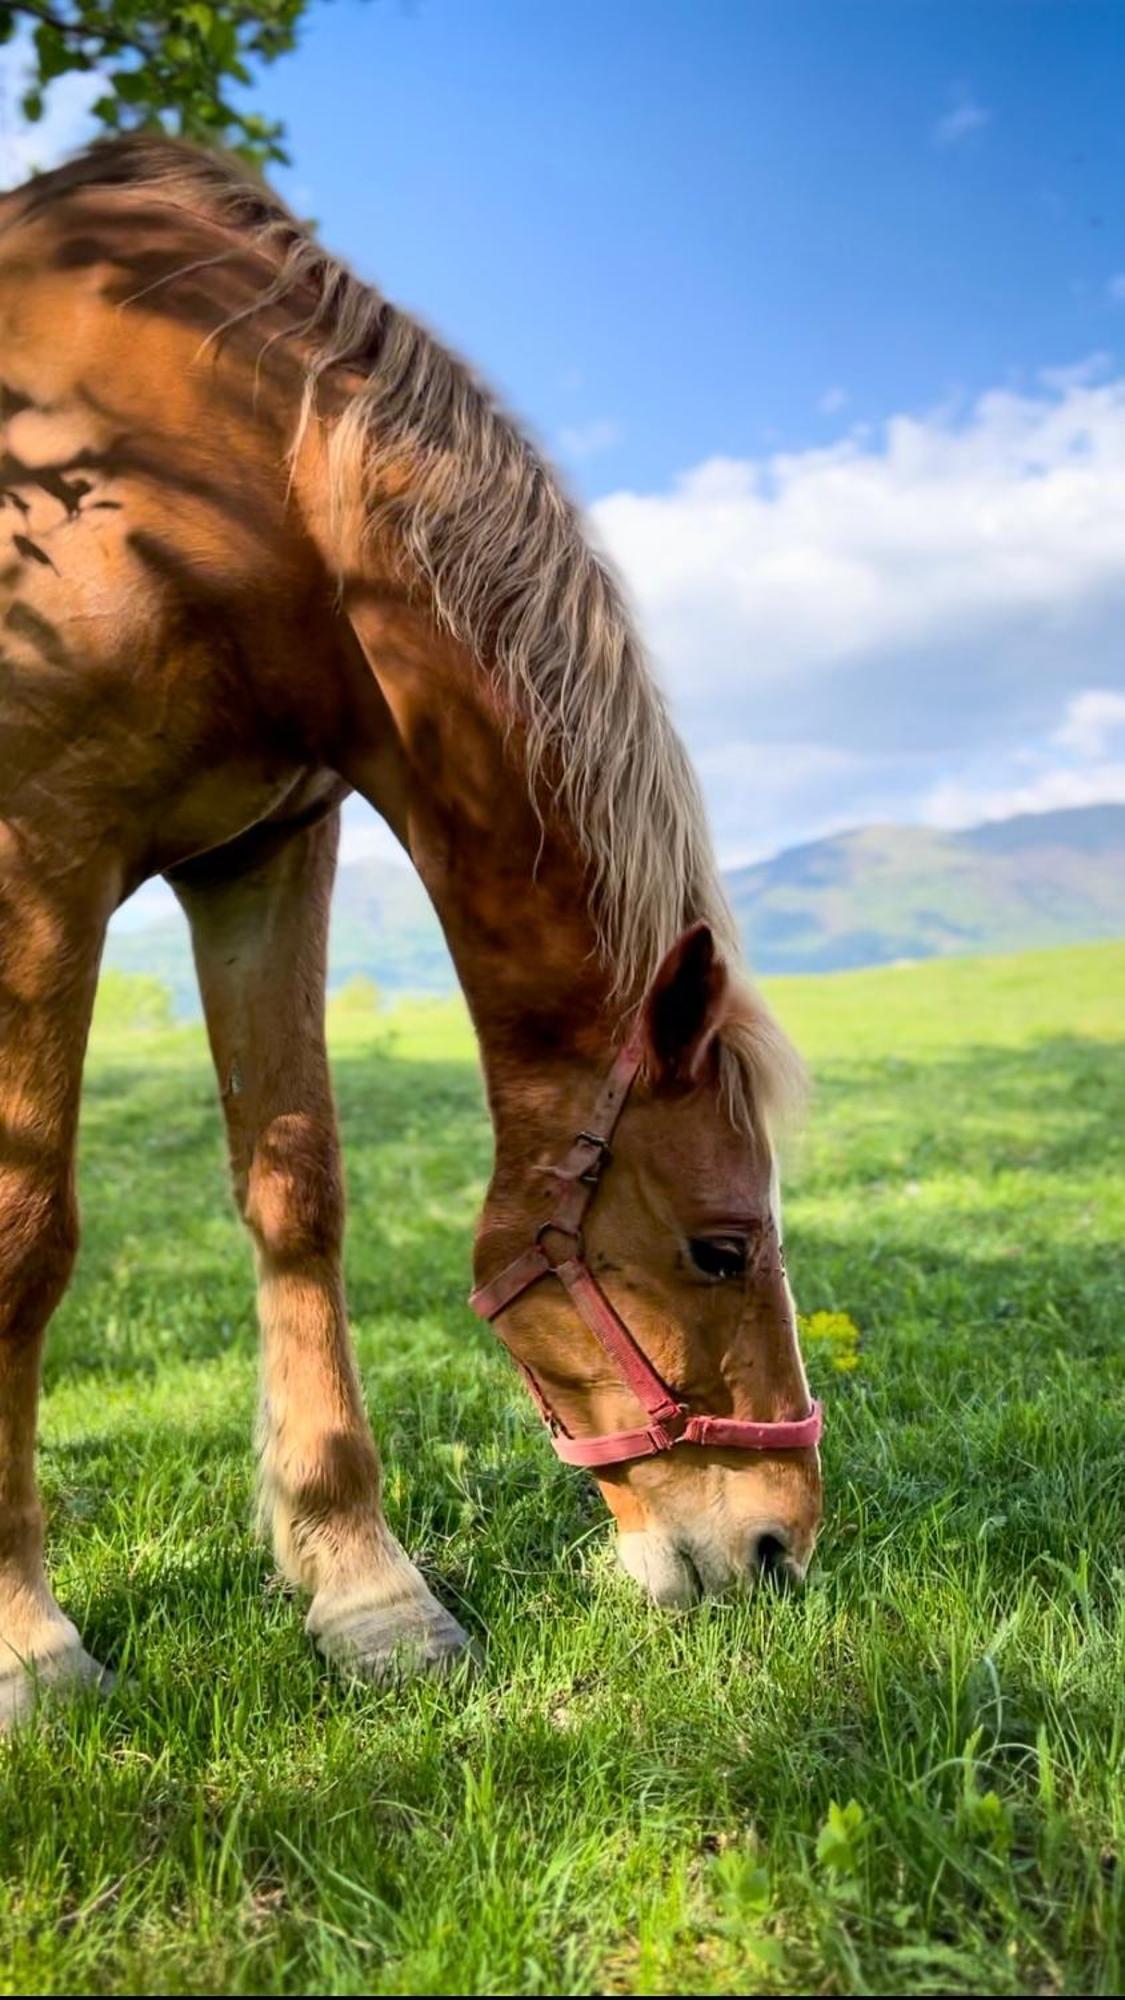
(680, 225)
(820, 304)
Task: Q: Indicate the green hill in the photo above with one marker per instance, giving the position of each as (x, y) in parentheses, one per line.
(883, 893)
(383, 927)
(868, 897)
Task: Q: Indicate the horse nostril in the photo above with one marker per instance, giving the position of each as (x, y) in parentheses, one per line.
(773, 1563)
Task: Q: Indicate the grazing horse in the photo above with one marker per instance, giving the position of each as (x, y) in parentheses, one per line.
(265, 541)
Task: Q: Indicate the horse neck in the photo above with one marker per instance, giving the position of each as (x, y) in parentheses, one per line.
(510, 885)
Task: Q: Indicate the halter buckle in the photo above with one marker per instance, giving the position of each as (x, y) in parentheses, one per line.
(667, 1429)
(594, 1172)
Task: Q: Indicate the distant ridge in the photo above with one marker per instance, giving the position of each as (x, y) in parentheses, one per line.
(866, 897)
(882, 893)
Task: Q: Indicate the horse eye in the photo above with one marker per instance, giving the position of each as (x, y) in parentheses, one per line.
(719, 1256)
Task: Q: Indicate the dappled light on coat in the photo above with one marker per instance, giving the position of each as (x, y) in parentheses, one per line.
(263, 541)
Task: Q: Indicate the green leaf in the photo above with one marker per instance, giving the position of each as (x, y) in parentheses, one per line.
(841, 1840)
(168, 64)
(133, 86)
(53, 55)
(742, 1884)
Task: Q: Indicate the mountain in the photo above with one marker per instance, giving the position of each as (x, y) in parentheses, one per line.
(866, 897)
(383, 926)
(889, 892)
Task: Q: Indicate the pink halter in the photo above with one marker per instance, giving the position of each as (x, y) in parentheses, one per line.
(670, 1421)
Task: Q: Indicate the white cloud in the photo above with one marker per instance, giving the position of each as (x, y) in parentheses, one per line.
(1116, 288)
(1080, 763)
(1080, 374)
(1093, 720)
(65, 125)
(846, 631)
(582, 441)
(762, 796)
(958, 803)
(926, 623)
(964, 117)
(832, 401)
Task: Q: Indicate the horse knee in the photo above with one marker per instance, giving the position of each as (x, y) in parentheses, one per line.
(293, 1199)
(38, 1246)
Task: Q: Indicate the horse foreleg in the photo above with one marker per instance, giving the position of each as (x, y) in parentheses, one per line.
(259, 927)
(50, 942)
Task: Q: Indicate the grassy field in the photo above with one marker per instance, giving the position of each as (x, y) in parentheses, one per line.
(907, 1780)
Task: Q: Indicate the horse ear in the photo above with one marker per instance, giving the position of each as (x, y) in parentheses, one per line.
(685, 1008)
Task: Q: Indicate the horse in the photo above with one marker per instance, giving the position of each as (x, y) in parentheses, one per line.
(270, 543)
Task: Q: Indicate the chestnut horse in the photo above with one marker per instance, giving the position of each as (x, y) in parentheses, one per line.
(268, 542)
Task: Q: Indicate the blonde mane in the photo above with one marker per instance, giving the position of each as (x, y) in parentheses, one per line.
(504, 556)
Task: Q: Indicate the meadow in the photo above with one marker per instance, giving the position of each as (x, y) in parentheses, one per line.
(908, 1779)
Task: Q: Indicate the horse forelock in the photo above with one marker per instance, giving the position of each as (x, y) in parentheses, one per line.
(485, 525)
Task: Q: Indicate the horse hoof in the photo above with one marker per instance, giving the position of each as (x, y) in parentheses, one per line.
(387, 1643)
(58, 1676)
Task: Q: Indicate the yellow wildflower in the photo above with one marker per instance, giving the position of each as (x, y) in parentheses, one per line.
(837, 1333)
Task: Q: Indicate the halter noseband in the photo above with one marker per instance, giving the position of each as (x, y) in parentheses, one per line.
(670, 1421)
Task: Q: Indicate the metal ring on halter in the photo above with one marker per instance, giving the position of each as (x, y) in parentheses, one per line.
(561, 1229)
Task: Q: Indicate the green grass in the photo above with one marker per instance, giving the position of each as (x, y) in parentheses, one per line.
(624, 1800)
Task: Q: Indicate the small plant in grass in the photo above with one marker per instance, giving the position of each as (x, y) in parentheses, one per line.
(842, 1842)
(982, 1817)
(739, 1888)
(836, 1335)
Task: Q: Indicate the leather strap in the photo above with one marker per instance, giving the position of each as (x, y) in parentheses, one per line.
(602, 1318)
(579, 1171)
(721, 1433)
(671, 1422)
(488, 1301)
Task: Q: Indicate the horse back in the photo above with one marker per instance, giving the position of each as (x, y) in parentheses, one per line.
(166, 619)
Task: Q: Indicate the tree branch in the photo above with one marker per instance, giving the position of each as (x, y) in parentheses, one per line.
(111, 37)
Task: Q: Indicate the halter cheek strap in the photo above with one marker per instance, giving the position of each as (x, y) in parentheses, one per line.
(670, 1421)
